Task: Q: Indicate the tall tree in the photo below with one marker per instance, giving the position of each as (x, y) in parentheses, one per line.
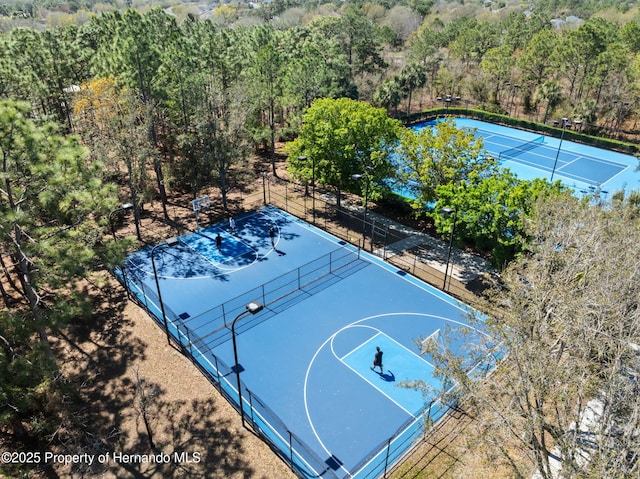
(534, 62)
(387, 95)
(361, 40)
(497, 65)
(111, 120)
(133, 57)
(315, 67)
(472, 43)
(412, 77)
(343, 137)
(568, 329)
(51, 201)
(578, 51)
(221, 134)
(267, 65)
(551, 92)
(438, 155)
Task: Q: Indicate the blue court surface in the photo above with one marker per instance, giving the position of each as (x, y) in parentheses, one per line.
(585, 169)
(305, 359)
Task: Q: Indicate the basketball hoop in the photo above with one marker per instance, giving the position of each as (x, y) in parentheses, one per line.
(200, 204)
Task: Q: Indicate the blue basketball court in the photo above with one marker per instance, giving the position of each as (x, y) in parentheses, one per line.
(304, 360)
(585, 169)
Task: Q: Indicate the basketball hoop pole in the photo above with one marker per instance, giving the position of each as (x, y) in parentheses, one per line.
(199, 204)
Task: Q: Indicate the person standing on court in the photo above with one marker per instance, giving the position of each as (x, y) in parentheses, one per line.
(377, 360)
(219, 241)
(272, 235)
(232, 224)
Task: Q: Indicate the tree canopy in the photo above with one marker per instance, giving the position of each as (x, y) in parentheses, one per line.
(52, 204)
(341, 138)
(567, 323)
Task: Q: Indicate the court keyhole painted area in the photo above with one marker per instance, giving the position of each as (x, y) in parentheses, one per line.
(399, 365)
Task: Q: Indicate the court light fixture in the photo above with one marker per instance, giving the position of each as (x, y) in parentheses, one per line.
(253, 307)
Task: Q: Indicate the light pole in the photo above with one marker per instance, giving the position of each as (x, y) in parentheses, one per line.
(264, 188)
(168, 242)
(313, 187)
(618, 120)
(555, 163)
(358, 177)
(252, 308)
(124, 207)
(447, 212)
(313, 184)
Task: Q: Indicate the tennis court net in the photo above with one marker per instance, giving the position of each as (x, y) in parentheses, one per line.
(524, 147)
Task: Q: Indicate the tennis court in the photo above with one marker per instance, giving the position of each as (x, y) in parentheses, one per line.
(304, 357)
(585, 169)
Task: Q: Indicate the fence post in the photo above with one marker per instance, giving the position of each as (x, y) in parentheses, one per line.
(373, 232)
(189, 343)
(264, 188)
(384, 249)
(304, 206)
(215, 360)
(224, 316)
(269, 189)
(325, 216)
(251, 407)
(348, 226)
(386, 459)
(290, 448)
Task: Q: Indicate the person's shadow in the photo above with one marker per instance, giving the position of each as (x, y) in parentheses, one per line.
(388, 376)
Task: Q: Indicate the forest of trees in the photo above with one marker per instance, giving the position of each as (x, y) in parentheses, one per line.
(137, 106)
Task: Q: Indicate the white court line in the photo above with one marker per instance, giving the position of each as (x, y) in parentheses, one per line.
(618, 173)
(233, 388)
(378, 262)
(330, 338)
(364, 377)
(217, 265)
(359, 346)
(432, 335)
(598, 160)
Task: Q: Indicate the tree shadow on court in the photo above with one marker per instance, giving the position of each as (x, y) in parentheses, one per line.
(254, 230)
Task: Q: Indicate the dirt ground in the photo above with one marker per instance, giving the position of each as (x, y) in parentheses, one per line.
(124, 366)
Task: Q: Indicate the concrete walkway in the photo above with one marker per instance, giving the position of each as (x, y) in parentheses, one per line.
(463, 266)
